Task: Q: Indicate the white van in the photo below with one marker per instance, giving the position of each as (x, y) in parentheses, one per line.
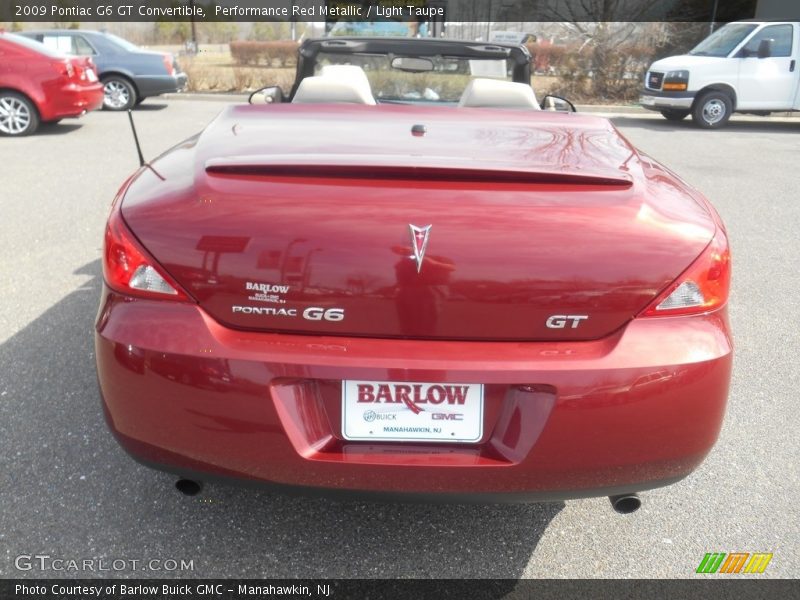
(746, 66)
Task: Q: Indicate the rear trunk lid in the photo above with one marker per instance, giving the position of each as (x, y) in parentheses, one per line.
(489, 225)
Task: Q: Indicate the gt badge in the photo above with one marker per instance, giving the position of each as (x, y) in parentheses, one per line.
(419, 241)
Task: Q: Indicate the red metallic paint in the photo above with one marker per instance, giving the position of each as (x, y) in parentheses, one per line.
(39, 77)
(630, 403)
(503, 255)
(636, 408)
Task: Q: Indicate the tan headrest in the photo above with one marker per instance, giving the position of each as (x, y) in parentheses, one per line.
(329, 89)
(493, 93)
(351, 73)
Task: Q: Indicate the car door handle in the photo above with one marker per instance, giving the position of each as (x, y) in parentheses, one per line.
(791, 66)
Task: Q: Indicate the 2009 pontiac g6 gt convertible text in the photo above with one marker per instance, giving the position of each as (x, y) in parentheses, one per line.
(389, 288)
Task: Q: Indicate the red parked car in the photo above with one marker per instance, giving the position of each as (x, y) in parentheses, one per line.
(407, 295)
(39, 85)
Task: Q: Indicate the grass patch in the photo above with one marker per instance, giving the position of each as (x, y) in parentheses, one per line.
(216, 72)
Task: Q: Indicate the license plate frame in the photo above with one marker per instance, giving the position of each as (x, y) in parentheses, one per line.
(406, 412)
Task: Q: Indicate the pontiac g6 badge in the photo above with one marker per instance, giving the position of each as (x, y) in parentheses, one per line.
(419, 241)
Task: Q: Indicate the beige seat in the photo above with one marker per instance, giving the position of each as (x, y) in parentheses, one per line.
(493, 93)
(326, 89)
(350, 73)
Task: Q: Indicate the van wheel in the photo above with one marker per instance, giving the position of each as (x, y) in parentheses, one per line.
(18, 115)
(674, 114)
(712, 110)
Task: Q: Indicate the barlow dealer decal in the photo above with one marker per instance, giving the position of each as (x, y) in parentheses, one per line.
(413, 411)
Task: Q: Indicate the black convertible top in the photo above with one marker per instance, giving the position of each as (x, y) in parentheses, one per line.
(399, 46)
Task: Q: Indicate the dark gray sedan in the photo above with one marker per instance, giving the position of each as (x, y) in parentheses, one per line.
(129, 73)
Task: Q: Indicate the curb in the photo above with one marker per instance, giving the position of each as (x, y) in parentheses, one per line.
(243, 96)
(208, 96)
(606, 109)
(612, 108)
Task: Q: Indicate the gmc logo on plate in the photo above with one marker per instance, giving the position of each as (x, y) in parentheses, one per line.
(447, 417)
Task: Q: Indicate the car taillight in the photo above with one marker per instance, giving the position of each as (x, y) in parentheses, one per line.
(168, 64)
(64, 68)
(89, 71)
(703, 287)
(128, 268)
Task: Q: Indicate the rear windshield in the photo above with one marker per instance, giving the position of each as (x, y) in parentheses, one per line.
(33, 45)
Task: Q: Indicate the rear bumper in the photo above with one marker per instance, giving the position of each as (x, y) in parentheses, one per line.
(72, 101)
(633, 411)
(154, 85)
(137, 451)
(653, 100)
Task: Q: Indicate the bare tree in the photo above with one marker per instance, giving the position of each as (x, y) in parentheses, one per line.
(604, 26)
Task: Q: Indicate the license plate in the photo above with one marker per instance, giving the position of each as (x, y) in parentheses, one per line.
(647, 100)
(412, 412)
(90, 75)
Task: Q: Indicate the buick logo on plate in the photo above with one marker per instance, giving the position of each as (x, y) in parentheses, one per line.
(419, 242)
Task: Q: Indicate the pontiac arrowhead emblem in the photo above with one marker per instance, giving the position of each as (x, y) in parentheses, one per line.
(419, 241)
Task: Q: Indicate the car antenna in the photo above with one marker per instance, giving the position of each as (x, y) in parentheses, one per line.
(136, 138)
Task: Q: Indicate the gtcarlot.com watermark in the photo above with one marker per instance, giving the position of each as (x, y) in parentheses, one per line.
(46, 562)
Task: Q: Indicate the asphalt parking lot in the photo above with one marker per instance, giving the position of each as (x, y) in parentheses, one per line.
(68, 491)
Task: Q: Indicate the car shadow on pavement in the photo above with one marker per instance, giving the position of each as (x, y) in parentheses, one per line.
(734, 125)
(69, 491)
(57, 128)
(151, 106)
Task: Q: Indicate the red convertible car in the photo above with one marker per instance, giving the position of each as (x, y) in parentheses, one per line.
(404, 276)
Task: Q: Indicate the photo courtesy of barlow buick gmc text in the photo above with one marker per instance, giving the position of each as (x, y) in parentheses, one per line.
(376, 299)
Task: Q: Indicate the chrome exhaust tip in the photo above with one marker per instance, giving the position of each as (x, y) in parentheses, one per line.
(625, 504)
(189, 487)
